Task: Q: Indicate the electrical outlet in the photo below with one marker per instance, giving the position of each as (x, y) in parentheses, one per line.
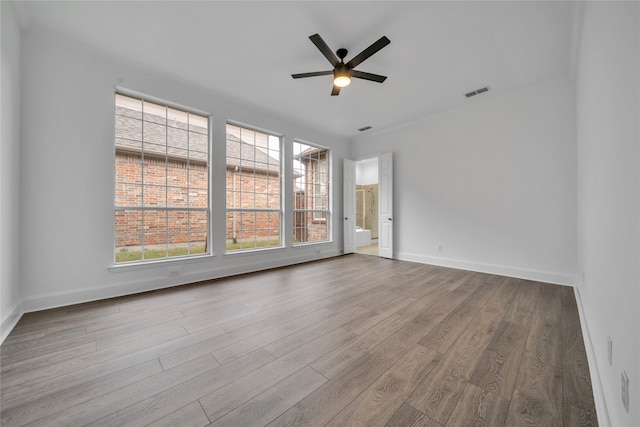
(625, 391)
(174, 271)
(610, 351)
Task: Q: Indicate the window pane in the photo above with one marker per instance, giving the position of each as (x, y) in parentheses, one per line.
(128, 235)
(154, 195)
(129, 167)
(178, 197)
(198, 175)
(244, 230)
(154, 137)
(155, 234)
(177, 119)
(128, 128)
(154, 172)
(247, 198)
(154, 113)
(178, 138)
(177, 175)
(197, 232)
(197, 197)
(129, 107)
(128, 195)
(274, 227)
(198, 124)
(178, 233)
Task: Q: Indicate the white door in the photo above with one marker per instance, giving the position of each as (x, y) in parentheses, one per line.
(349, 206)
(385, 205)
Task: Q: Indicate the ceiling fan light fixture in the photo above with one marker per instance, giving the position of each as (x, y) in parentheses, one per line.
(341, 76)
(342, 80)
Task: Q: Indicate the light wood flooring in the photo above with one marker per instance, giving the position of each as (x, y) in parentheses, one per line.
(349, 341)
(371, 249)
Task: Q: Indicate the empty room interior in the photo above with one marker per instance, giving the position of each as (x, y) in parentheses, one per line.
(340, 213)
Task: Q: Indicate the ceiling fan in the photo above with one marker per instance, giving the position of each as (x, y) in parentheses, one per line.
(342, 73)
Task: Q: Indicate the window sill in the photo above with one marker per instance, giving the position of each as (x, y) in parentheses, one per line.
(146, 265)
(254, 251)
(319, 242)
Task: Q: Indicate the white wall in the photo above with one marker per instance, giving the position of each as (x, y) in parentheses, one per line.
(67, 176)
(10, 301)
(494, 183)
(608, 115)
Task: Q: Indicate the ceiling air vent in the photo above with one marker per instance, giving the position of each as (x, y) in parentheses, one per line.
(364, 128)
(477, 92)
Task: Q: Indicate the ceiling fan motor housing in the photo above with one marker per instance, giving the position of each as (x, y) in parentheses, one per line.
(341, 70)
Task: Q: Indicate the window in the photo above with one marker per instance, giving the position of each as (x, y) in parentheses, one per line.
(311, 193)
(254, 209)
(320, 182)
(161, 181)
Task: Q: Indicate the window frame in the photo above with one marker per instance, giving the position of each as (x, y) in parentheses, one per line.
(167, 208)
(256, 210)
(318, 216)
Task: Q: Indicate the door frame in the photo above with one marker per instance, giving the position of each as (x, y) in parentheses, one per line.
(349, 207)
(385, 204)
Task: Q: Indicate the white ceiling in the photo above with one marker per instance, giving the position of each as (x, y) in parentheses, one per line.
(248, 50)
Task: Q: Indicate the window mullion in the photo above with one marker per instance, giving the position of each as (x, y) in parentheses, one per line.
(142, 192)
(188, 187)
(166, 181)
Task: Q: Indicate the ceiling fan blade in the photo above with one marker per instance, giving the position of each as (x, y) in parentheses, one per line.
(314, 74)
(326, 50)
(368, 76)
(335, 91)
(356, 60)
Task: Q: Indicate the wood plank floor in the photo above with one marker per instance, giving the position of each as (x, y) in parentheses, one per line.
(349, 341)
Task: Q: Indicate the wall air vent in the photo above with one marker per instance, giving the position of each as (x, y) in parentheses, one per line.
(477, 92)
(364, 128)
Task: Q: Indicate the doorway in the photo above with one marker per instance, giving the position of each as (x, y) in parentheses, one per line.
(384, 202)
(367, 197)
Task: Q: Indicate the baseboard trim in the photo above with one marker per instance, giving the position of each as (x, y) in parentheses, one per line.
(64, 298)
(539, 276)
(598, 393)
(10, 321)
